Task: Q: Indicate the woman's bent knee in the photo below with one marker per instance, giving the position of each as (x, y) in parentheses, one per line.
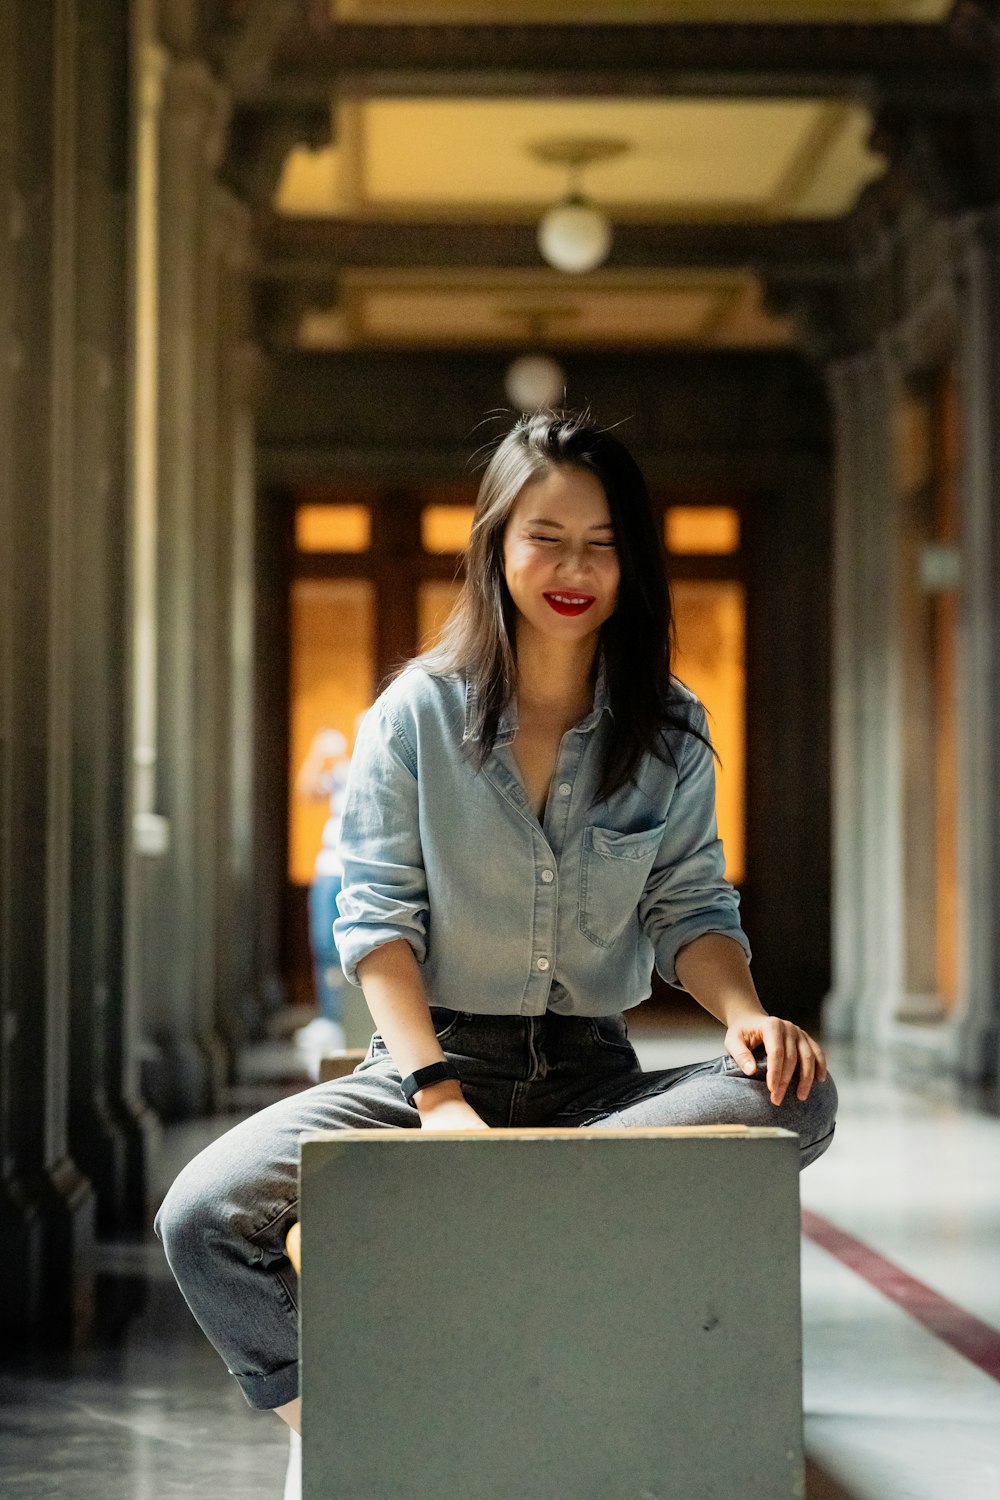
(206, 1206)
(183, 1223)
(819, 1119)
(230, 1201)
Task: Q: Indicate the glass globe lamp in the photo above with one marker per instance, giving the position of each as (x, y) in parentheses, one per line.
(535, 381)
(574, 236)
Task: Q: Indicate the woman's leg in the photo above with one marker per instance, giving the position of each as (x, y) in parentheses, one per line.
(716, 1092)
(224, 1221)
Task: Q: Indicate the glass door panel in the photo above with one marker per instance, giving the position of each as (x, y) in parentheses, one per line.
(710, 658)
(332, 676)
(926, 468)
(434, 604)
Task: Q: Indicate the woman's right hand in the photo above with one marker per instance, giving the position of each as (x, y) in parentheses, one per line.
(449, 1113)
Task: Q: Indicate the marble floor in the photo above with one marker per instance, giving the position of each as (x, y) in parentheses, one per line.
(901, 1299)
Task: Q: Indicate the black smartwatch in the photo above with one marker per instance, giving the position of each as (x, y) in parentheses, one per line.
(434, 1073)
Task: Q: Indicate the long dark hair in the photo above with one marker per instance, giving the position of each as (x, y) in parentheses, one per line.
(479, 638)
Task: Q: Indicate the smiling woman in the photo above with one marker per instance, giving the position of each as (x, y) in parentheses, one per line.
(529, 827)
(561, 515)
(559, 548)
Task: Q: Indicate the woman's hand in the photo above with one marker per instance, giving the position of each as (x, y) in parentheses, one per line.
(451, 1114)
(443, 1106)
(786, 1045)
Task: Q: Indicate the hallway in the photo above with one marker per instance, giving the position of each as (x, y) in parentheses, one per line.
(893, 1410)
(271, 275)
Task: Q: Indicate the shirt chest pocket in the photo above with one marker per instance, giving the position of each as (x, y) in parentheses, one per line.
(614, 869)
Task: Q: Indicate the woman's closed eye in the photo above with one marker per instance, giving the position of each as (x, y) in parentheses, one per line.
(604, 546)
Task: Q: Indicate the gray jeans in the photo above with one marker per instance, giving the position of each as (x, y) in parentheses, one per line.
(224, 1221)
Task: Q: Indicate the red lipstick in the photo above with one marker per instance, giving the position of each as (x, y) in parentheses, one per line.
(569, 603)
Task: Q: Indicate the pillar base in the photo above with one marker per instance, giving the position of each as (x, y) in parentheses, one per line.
(142, 1135)
(99, 1148)
(50, 1217)
(839, 1013)
(21, 1232)
(979, 1055)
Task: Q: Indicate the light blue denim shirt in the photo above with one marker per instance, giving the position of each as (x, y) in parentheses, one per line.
(509, 916)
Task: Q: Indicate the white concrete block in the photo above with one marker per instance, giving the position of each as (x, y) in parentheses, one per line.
(551, 1315)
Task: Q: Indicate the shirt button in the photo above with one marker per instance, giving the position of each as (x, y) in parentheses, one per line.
(564, 788)
(542, 964)
(548, 877)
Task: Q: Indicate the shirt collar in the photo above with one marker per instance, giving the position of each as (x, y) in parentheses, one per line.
(507, 725)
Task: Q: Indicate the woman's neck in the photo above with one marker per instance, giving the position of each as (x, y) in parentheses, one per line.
(554, 681)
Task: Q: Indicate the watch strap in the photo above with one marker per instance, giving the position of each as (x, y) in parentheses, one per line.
(421, 1078)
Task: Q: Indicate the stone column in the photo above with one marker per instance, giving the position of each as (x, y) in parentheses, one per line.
(839, 1012)
(109, 1126)
(273, 526)
(97, 814)
(46, 1204)
(178, 1080)
(146, 831)
(867, 787)
(20, 1227)
(211, 601)
(250, 961)
(240, 376)
(978, 261)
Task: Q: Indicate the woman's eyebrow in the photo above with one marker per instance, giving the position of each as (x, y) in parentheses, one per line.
(558, 525)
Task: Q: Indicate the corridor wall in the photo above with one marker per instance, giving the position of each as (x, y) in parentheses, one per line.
(130, 957)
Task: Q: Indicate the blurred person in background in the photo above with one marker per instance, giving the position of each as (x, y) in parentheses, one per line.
(323, 778)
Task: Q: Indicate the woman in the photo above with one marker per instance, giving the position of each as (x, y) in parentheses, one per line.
(529, 824)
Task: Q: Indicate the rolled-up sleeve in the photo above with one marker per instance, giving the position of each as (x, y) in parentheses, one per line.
(384, 894)
(687, 893)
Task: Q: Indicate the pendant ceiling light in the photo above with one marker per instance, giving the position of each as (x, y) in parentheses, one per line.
(534, 381)
(574, 235)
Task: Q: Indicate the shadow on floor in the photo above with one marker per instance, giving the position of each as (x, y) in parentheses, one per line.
(820, 1486)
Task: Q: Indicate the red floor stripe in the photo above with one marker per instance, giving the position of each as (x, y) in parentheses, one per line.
(963, 1332)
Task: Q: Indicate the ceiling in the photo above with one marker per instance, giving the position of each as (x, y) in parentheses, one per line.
(452, 308)
(585, 12)
(687, 159)
(711, 160)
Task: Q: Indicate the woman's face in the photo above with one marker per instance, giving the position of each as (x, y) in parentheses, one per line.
(560, 561)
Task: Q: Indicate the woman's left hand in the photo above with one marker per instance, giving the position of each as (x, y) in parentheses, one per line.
(787, 1047)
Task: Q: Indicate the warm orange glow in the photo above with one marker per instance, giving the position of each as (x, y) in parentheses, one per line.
(926, 439)
(710, 659)
(948, 531)
(434, 604)
(913, 442)
(333, 528)
(702, 530)
(332, 671)
(445, 528)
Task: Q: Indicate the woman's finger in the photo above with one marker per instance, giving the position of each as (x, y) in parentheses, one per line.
(791, 1056)
(744, 1057)
(819, 1055)
(775, 1045)
(807, 1068)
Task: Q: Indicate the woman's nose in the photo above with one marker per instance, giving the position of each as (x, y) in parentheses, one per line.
(575, 560)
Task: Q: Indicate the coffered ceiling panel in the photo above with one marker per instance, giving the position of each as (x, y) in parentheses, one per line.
(686, 159)
(515, 310)
(590, 12)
